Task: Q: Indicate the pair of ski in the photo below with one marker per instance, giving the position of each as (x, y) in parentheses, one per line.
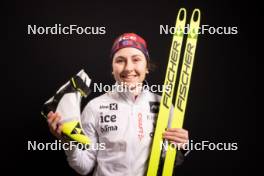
(182, 91)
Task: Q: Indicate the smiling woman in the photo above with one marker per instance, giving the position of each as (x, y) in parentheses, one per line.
(123, 121)
(129, 67)
(130, 60)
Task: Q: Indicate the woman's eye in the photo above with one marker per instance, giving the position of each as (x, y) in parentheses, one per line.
(136, 59)
(119, 60)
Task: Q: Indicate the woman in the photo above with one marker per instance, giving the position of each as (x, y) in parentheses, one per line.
(123, 120)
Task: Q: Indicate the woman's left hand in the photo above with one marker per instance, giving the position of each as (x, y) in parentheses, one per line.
(179, 136)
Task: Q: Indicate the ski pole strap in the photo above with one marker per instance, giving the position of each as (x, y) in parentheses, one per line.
(79, 85)
(76, 85)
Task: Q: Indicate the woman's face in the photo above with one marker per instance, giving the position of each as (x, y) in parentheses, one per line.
(129, 66)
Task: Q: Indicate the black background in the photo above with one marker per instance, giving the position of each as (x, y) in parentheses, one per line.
(222, 99)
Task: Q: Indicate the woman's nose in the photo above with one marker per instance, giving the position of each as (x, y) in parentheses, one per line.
(129, 66)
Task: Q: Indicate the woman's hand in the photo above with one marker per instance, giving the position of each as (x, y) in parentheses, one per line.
(178, 136)
(54, 125)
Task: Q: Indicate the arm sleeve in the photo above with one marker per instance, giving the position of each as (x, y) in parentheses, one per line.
(83, 161)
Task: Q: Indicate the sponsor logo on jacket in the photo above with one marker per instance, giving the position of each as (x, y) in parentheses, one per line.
(111, 106)
(108, 122)
(140, 127)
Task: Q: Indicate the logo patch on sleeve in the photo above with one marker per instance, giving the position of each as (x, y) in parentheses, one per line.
(154, 106)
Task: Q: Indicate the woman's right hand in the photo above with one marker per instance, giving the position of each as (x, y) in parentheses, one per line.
(54, 125)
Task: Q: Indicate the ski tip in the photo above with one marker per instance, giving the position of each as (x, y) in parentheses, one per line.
(181, 14)
(196, 15)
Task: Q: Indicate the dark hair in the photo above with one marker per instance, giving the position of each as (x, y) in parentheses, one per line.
(151, 65)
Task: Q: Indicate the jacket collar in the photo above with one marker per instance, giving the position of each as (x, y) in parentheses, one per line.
(128, 96)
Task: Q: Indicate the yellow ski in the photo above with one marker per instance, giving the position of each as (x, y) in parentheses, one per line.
(167, 95)
(183, 88)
